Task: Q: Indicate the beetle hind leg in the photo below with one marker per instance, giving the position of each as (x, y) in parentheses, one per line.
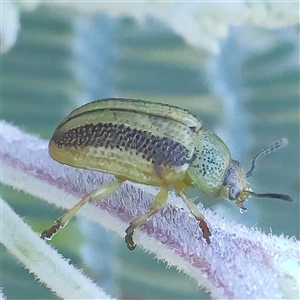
(157, 204)
(99, 194)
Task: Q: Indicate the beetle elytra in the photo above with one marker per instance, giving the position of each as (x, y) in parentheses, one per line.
(154, 144)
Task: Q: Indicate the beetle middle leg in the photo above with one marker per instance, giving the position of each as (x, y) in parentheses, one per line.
(157, 204)
(100, 193)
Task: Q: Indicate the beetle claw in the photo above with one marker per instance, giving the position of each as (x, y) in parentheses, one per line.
(128, 238)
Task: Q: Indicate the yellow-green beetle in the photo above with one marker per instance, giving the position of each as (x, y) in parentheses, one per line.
(154, 144)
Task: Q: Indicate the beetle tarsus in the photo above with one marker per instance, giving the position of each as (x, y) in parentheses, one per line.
(205, 230)
(48, 234)
(128, 238)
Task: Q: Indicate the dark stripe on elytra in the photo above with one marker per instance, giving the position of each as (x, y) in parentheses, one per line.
(158, 150)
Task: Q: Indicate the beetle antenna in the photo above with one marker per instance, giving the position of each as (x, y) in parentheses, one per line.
(271, 195)
(273, 147)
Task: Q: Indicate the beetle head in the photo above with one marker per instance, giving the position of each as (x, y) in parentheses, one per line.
(237, 188)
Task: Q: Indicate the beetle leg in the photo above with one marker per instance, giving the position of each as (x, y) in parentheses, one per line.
(157, 204)
(202, 223)
(98, 194)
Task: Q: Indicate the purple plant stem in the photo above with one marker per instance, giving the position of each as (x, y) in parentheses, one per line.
(238, 263)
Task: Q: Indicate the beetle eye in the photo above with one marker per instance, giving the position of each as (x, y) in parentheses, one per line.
(234, 192)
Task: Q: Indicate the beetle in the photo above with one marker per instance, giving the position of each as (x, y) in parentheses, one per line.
(154, 144)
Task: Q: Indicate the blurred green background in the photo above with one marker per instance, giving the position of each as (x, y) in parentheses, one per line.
(248, 94)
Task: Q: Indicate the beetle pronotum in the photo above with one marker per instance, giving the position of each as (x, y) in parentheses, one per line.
(154, 144)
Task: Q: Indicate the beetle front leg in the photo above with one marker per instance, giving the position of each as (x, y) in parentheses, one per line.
(99, 194)
(157, 204)
(202, 223)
